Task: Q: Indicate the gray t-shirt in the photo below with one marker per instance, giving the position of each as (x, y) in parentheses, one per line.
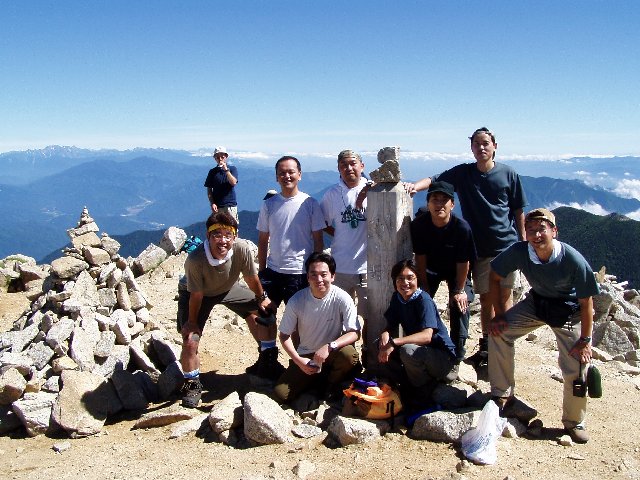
(290, 222)
(488, 202)
(212, 281)
(567, 277)
(319, 320)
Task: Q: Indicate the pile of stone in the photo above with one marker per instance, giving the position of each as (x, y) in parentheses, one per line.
(616, 330)
(88, 347)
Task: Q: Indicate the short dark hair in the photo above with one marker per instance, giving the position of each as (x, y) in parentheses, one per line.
(483, 130)
(401, 265)
(322, 257)
(288, 157)
(223, 218)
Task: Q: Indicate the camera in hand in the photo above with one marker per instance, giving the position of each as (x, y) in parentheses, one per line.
(579, 387)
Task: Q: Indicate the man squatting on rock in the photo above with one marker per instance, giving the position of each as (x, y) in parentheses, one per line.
(212, 271)
(444, 251)
(344, 206)
(325, 320)
(492, 201)
(289, 227)
(561, 296)
(220, 184)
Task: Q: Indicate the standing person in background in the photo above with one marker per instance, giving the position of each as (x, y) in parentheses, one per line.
(492, 201)
(344, 213)
(444, 250)
(220, 184)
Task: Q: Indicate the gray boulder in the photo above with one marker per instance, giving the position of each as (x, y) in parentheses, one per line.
(34, 411)
(12, 385)
(68, 267)
(226, 414)
(265, 423)
(444, 426)
(84, 402)
(173, 239)
(350, 431)
(170, 380)
(150, 258)
(129, 391)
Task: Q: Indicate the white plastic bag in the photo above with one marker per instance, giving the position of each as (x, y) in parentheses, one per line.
(479, 444)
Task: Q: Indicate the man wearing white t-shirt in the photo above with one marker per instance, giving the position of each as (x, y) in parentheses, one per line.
(324, 318)
(344, 207)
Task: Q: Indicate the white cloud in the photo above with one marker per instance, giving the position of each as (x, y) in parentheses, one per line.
(633, 215)
(590, 207)
(628, 188)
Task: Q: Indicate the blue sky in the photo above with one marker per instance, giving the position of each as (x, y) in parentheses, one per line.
(549, 77)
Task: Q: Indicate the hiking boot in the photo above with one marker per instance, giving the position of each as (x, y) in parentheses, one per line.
(578, 434)
(452, 376)
(478, 360)
(269, 367)
(513, 407)
(255, 368)
(191, 393)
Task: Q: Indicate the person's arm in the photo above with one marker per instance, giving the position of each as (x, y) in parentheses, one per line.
(343, 340)
(421, 267)
(318, 241)
(330, 230)
(227, 170)
(582, 350)
(214, 207)
(519, 219)
(498, 323)
(191, 325)
(301, 362)
(253, 282)
(412, 188)
(389, 344)
(459, 296)
(263, 248)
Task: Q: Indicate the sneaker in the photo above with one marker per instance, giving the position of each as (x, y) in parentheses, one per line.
(191, 393)
(578, 434)
(452, 376)
(513, 407)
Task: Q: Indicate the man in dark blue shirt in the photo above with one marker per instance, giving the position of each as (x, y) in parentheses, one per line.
(220, 183)
(445, 251)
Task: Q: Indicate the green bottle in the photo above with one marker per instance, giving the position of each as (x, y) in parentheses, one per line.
(594, 382)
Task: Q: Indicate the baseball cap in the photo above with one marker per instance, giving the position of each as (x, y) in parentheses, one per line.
(220, 150)
(541, 214)
(444, 187)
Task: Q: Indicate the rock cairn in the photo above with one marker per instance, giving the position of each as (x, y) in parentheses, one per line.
(88, 346)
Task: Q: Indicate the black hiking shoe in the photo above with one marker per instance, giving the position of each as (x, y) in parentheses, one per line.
(191, 393)
(255, 368)
(269, 367)
(478, 360)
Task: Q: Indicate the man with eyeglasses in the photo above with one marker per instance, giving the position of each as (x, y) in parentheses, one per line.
(220, 184)
(561, 296)
(212, 272)
(344, 210)
(444, 251)
(492, 201)
(289, 227)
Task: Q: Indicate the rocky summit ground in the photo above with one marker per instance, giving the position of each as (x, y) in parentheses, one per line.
(121, 452)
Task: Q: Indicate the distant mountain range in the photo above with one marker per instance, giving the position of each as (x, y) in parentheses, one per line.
(152, 189)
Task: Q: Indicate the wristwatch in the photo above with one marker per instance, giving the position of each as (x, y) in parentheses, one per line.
(264, 296)
(333, 346)
(585, 339)
(393, 344)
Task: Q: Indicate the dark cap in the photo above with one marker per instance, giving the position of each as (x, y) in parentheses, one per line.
(541, 214)
(444, 187)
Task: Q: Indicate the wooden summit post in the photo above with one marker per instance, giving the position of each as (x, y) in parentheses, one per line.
(389, 213)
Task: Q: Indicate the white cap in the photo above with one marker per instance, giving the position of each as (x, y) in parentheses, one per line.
(220, 150)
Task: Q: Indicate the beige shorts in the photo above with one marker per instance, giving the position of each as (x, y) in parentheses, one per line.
(480, 275)
(233, 211)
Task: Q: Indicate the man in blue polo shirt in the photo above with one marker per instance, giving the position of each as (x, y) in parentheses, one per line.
(445, 251)
(220, 184)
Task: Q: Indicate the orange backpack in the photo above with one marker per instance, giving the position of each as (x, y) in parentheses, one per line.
(371, 400)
